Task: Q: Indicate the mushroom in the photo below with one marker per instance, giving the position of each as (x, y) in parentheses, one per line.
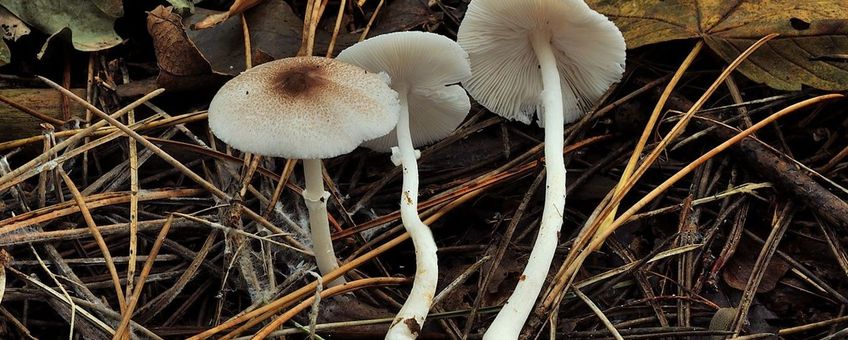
(307, 108)
(550, 57)
(425, 69)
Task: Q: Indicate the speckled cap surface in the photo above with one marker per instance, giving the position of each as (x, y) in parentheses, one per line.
(304, 108)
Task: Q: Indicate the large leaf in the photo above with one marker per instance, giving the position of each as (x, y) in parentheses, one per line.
(810, 30)
(11, 28)
(91, 28)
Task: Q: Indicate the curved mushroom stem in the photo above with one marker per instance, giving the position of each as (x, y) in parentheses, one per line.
(511, 318)
(409, 320)
(319, 224)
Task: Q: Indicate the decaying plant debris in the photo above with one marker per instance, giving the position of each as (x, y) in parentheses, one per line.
(143, 221)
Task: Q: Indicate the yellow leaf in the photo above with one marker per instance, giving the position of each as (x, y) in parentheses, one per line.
(809, 30)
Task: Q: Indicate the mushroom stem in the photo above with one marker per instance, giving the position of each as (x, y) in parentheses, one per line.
(511, 318)
(409, 320)
(315, 198)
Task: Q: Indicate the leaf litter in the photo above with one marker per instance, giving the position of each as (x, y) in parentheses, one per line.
(649, 281)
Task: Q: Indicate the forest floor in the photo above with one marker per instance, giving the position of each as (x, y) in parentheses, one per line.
(749, 242)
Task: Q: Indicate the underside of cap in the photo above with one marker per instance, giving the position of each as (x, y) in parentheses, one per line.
(427, 65)
(303, 107)
(506, 79)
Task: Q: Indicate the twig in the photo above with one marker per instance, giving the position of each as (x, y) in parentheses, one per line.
(593, 232)
(599, 313)
(621, 220)
(780, 223)
(15, 177)
(339, 16)
(92, 227)
(165, 156)
(445, 292)
(500, 251)
(371, 21)
(145, 271)
(24, 277)
(336, 290)
(31, 112)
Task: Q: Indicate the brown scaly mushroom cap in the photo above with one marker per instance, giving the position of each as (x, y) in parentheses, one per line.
(303, 107)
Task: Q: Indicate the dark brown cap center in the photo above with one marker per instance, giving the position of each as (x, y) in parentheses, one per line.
(300, 81)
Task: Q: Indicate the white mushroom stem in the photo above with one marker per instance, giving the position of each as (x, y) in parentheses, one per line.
(319, 224)
(511, 318)
(408, 322)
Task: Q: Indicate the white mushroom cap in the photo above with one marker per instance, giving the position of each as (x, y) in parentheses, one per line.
(303, 107)
(430, 66)
(588, 47)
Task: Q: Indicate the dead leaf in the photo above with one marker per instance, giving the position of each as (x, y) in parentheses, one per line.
(12, 29)
(275, 32)
(11, 26)
(809, 29)
(90, 27)
(182, 7)
(404, 15)
(181, 66)
(191, 59)
(738, 269)
(5, 54)
(113, 8)
(722, 321)
(236, 8)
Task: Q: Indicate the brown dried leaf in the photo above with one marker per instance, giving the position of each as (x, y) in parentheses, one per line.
(181, 66)
(738, 269)
(404, 15)
(275, 32)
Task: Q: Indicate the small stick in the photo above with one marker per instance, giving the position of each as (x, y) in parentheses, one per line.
(594, 231)
(164, 155)
(31, 218)
(371, 21)
(248, 52)
(176, 120)
(31, 112)
(89, 96)
(59, 296)
(621, 220)
(339, 17)
(340, 289)
(599, 313)
(281, 183)
(780, 222)
(134, 187)
(145, 271)
(92, 227)
(13, 177)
